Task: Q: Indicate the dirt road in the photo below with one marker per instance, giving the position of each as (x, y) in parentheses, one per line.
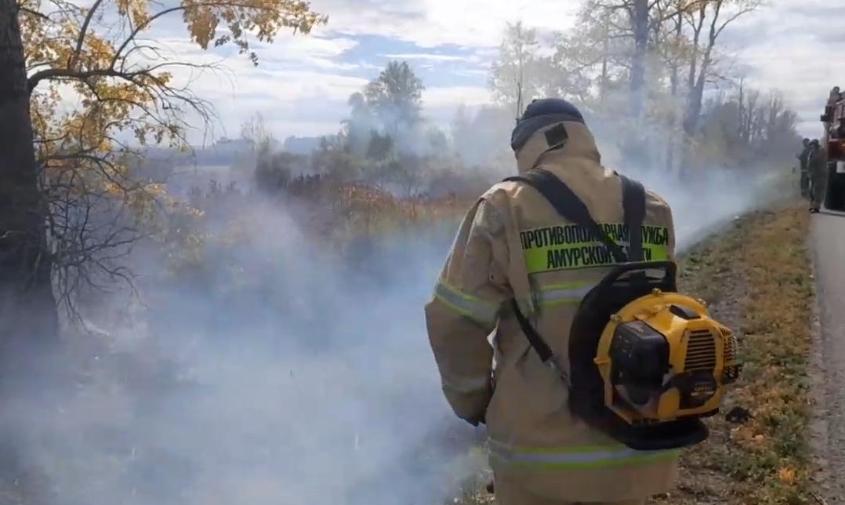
(828, 238)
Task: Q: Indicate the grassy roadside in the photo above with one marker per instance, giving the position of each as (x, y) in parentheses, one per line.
(756, 277)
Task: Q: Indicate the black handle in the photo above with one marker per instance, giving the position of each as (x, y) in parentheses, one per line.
(669, 268)
(667, 436)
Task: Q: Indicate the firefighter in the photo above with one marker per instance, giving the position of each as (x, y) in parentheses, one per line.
(539, 452)
(835, 95)
(802, 160)
(817, 167)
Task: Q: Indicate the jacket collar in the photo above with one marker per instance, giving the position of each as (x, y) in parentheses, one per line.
(580, 144)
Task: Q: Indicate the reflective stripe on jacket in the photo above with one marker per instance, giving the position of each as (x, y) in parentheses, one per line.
(574, 457)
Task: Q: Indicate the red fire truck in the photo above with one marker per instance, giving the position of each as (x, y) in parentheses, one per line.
(833, 141)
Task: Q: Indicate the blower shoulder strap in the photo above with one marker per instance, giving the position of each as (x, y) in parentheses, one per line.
(540, 346)
(633, 203)
(573, 209)
(568, 205)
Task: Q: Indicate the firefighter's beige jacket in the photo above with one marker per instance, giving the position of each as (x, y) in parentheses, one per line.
(512, 244)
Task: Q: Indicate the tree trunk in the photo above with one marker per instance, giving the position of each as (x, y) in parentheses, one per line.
(604, 63)
(639, 25)
(740, 113)
(674, 85)
(696, 92)
(27, 305)
(694, 102)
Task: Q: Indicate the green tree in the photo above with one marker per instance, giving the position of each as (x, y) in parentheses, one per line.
(359, 127)
(395, 97)
(379, 146)
(256, 132)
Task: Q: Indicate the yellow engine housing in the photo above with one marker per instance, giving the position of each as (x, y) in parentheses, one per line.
(698, 344)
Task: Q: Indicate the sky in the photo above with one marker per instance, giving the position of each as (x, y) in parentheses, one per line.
(302, 82)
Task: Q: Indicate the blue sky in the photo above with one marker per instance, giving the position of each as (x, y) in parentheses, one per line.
(302, 82)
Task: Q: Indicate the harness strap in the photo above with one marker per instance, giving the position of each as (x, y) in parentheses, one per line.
(573, 209)
(633, 202)
(568, 205)
(540, 346)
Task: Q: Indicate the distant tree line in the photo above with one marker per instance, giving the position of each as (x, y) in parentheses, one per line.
(651, 74)
(385, 142)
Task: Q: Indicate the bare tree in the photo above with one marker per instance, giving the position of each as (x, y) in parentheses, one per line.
(707, 21)
(513, 77)
(254, 130)
(642, 24)
(91, 230)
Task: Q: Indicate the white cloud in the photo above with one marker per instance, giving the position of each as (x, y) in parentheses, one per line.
(294, 97)
(303, 81)
(237, 76)
(784, 43)
(454, 96)
(294, 102)
(792, 46)
(430, 23)
(440, 104)
(424, 57)
(286, 50)
(300, 85)
(319, 52)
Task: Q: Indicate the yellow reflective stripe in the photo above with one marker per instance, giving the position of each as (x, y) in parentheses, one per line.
(559, 294)
(576, 457)
(586, 462)
(572, 247)
(609, 446)
(582, 255)
(479, 310)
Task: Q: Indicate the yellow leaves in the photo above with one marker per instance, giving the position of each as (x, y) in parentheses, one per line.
(202, 24)
(195, 213)
(262, 19)
(787, 475)
(113, 190)
(97, 52)
(156, 190)
(749, 437)
(99, 82)
(138, 10)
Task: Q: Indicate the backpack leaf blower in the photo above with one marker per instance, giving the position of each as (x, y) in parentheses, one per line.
(646, 363)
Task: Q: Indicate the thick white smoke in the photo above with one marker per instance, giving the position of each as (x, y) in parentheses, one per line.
(281, 375)
(704, 203)
(278, 373)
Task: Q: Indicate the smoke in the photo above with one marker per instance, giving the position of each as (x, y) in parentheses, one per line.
(702, 199)
(702, 204)
(279, 374)
(275, 370)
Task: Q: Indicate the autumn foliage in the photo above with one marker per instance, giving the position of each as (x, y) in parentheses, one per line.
(101, 89)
